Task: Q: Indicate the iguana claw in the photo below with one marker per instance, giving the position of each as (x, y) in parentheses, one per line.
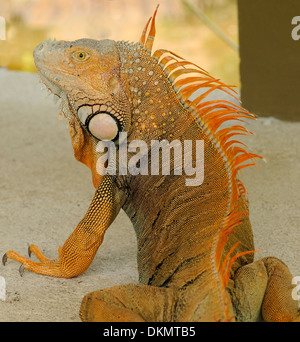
(29, 250)
(21, 270)
(4, 259)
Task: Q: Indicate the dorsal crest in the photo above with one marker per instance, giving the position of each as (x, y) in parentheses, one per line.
(147, 40)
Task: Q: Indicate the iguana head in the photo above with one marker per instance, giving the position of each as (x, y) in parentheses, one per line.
(85, 74)
(98, 87)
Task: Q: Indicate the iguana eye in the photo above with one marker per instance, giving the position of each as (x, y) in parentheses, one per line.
(80, 56)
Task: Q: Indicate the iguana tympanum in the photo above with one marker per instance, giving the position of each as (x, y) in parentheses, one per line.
(195, 244)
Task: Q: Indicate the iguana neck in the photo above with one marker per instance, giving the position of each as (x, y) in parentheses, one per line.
(154, 105)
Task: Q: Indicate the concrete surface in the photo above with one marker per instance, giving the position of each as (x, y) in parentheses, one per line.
(45, 192)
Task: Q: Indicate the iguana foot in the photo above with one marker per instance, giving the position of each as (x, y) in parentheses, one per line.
(263, 290)
(45, 266)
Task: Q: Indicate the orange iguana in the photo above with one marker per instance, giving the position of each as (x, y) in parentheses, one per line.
(195, 244)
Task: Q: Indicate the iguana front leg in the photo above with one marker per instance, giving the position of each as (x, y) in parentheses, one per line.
(80, 248)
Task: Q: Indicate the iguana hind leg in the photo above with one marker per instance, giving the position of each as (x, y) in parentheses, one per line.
(80, 248)
(263, 290)
(129, 303)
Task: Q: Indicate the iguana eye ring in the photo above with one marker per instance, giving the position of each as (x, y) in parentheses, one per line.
(80, 56)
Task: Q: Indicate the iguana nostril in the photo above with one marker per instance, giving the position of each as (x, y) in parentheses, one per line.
(41, 47)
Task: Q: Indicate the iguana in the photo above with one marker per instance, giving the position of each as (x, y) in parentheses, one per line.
(195, 243)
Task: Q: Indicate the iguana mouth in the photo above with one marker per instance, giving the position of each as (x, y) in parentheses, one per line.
(50, 85)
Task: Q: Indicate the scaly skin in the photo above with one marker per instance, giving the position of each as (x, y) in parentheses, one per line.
(192, 267)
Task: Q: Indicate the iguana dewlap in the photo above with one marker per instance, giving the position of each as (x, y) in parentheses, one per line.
(195, 244)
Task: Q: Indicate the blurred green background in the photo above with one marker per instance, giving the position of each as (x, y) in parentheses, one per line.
(183, 26)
